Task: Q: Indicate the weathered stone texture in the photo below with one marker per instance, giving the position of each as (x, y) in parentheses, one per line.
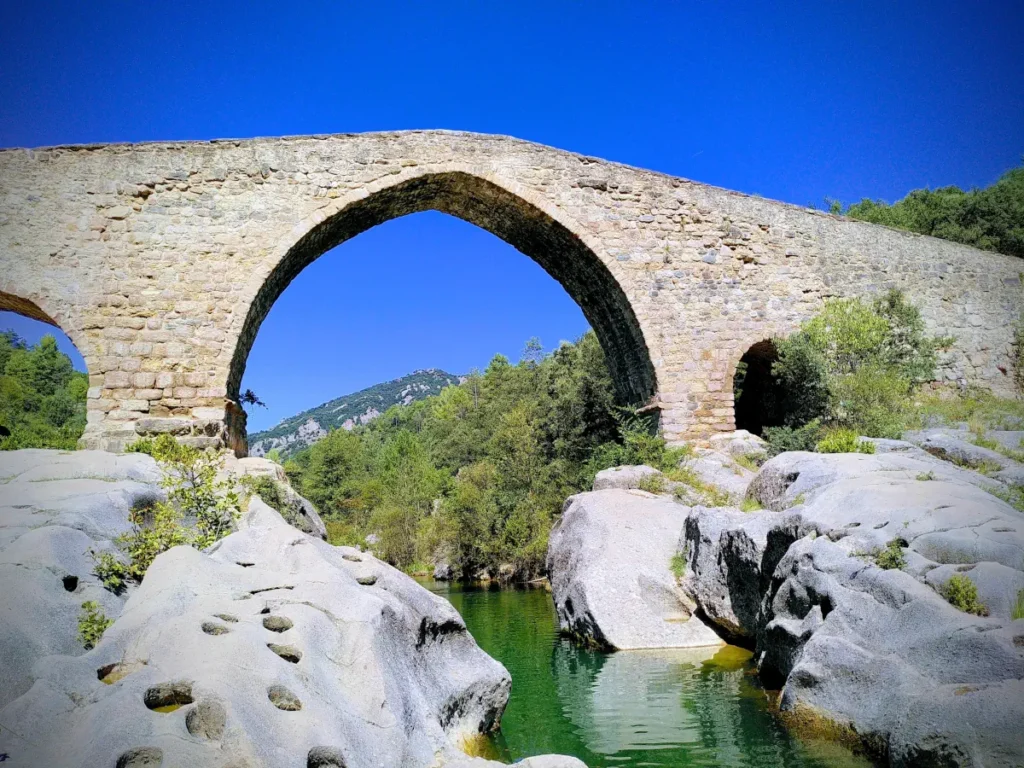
(161, 260)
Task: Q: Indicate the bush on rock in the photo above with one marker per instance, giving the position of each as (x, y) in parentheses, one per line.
(199, 511)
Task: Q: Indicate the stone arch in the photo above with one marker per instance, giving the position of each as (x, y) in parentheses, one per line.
(755, 404)
(37, 309)
(535, 229)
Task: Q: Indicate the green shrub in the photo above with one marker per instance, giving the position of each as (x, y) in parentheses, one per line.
(925, 476)
(652, 484)
(988, 218)
(854, 366)
(783, 439)
(199, 511)
(802, 382)
(961, 593)
(843, 441)
(871, 400)
(92, 623)
(751, 461)
(891, 556)
(1017, 612)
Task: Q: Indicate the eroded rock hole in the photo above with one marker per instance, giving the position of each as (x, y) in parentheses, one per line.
(352, 558)
(758, 402)
(213, 628)
(283, 699)
(226, 617)
(287, 652)
(207, 720)
(141, 757)
(367, 581)
(168, 697)
(111, 673)
(70, 583)
(325, 757)
(277, 623)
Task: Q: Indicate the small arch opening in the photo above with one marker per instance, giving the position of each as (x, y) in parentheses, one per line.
(755, 390)
(43, 380)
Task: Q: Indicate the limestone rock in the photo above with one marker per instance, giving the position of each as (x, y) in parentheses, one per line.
(387, 674)
(955, 447)
(609, 561)
(624, 477)
(720, 471)
(297, 510)
(273, 648)
(725, 575)
(55, 507)
(835, 630)
(739, 443)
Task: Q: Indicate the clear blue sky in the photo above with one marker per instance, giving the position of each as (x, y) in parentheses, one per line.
(792, 101)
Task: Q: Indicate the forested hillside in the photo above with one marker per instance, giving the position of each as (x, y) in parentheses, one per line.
(304, 429)
(42, 396)
(475, 475)
(991, 218)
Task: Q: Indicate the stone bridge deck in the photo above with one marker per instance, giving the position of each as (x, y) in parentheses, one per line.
(161, 260)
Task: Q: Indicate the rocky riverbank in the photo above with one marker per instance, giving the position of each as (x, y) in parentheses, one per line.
(271, 649)
(882, 593)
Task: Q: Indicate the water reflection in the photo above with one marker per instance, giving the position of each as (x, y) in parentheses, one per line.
(662, 709)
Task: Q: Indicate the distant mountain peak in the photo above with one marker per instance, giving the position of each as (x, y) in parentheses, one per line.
(291, 435)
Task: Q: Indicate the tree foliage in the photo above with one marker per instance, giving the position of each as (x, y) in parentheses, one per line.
(42, 397)
(476, 474)
(853, 366)
(991, 218)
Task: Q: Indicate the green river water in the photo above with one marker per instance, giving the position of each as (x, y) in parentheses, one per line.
(657, 709)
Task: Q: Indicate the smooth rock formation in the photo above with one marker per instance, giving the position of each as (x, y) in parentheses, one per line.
(271, 649)
(56, 506)
(625, 477)
(720, 470)
(879, 652)
(296, 510)
(739, 443)
(955, 446)
(609, 560)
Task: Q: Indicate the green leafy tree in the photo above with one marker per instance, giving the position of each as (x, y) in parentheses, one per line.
(853, 365)
(991, 218)
(42, 397)
(477, 473)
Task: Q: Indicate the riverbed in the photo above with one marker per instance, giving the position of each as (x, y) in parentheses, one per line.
(655, 709)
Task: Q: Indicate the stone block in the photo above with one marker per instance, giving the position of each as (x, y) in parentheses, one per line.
(171, 426)
(115, 379)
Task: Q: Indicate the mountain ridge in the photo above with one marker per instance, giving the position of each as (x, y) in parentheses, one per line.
(291, 435)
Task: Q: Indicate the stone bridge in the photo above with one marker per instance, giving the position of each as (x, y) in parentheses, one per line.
(161, 260)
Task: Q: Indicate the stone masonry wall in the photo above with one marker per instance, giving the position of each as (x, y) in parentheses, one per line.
(160, 261)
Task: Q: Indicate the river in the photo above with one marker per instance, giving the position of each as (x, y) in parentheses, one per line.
(656, 709)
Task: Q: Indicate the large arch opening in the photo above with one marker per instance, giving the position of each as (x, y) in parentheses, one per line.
(550, 243)
(43, 379)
